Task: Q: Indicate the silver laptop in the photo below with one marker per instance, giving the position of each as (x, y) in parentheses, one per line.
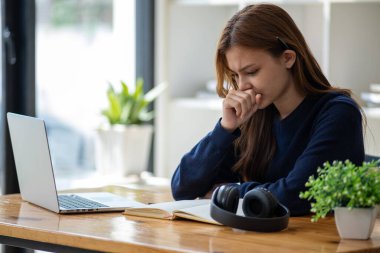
(36, 175)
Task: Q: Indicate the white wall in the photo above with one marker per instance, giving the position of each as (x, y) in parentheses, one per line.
(355, 45)
(192, 37)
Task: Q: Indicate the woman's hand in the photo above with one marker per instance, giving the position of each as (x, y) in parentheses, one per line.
(238, 107)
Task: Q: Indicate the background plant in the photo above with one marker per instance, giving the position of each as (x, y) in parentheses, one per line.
(343, 184)
(127, 107)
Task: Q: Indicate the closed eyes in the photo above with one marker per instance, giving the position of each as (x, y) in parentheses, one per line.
(235, 76)
(252, 73)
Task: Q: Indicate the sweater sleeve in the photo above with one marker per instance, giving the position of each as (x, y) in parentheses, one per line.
(336, 135)
(207, 164)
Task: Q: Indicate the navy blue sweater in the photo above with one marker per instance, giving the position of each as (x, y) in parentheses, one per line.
(322, 128)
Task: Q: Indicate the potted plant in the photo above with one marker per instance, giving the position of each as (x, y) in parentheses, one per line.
(352, 192)
(123, 144)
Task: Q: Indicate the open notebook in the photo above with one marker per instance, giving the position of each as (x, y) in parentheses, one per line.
(197, 210)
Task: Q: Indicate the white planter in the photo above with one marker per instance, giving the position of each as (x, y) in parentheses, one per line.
(356, 223)
(123, 150)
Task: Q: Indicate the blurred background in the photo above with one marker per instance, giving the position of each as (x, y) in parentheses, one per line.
(59, 57)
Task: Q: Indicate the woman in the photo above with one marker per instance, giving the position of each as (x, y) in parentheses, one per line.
(281, 117)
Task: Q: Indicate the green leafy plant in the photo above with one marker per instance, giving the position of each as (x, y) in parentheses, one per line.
(126, 107)
(343, 184)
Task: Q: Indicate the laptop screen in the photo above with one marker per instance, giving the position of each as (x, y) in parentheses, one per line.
(32, 158)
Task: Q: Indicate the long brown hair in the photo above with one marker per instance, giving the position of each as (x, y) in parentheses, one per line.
(267, 27)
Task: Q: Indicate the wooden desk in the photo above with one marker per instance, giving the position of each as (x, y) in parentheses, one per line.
(26, 225)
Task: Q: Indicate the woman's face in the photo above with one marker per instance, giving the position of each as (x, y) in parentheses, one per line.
(256, 69)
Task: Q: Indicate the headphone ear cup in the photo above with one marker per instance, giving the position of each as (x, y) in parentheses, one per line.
(260, 203)
(227, 197)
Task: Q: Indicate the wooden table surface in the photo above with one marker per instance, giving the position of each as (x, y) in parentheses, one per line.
(114, 232)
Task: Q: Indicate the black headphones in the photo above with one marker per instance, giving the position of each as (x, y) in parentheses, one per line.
(263, 212)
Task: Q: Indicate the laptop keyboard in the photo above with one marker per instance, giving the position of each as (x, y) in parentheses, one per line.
(77, 202)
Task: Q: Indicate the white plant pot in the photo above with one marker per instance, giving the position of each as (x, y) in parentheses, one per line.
(356, 223)
(123, 150)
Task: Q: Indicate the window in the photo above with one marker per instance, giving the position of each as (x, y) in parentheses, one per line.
(81, 46)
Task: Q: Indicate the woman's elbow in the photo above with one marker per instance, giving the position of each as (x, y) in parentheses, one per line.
(180, 195)
(178, 191)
